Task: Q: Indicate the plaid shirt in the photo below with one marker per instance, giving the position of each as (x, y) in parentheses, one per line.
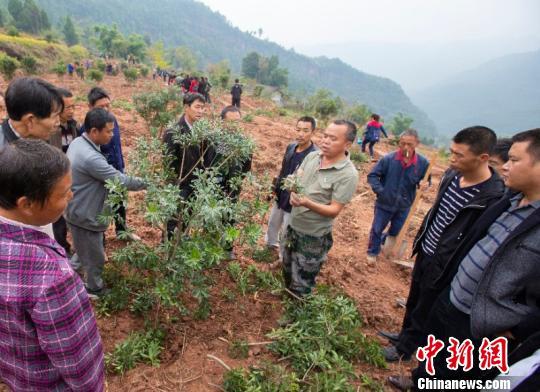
(49, 339)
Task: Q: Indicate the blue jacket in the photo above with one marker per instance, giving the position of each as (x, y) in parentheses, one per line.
(395, 185)
(373, 131)
(112, 150)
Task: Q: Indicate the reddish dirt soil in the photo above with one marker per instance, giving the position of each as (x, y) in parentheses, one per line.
(185, 366)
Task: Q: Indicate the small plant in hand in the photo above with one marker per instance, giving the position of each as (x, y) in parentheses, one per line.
(292, 183)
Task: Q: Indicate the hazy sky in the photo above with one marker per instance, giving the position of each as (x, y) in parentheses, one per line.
(308, 22)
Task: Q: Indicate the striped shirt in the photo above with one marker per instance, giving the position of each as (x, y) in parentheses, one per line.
(452, 202)
(49, 339)
(473, 265)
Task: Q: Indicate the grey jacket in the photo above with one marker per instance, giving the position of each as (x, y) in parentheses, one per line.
(508, 294)
(90, 170)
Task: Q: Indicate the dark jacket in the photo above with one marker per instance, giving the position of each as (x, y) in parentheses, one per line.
(235, 171)
(192, 157)
(454, 234)
(6, 134)
(282, 195)
(373, 131)
(113, 149)
(508, 293)
(395, 185)
(236, 90)
(57, 137)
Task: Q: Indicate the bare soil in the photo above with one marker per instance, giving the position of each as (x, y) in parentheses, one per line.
(185, 365)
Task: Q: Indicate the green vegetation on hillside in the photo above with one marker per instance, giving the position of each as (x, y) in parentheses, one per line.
(212, 39)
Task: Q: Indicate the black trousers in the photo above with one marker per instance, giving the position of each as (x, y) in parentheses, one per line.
(120, 219)
(236, 102)
(422, 296)
(445, 321)
(60, 234)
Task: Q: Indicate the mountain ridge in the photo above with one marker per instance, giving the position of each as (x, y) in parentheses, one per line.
(501, 93)
(213, 38)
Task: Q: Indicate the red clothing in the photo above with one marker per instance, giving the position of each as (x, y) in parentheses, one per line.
(399, 157)
(194, 86)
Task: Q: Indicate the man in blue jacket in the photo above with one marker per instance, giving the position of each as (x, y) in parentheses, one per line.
(394, 180)
(99, 98)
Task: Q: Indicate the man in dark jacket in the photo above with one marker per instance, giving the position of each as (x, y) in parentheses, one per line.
(492, 280)
(465, 192)
(184, 161)
(236, 93)
(231, 115)
(99, 98)
(394, 180)
(294, 155)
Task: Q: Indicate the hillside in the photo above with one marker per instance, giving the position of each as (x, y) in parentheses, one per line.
(184, 362)
(213, 38)
(502, 94)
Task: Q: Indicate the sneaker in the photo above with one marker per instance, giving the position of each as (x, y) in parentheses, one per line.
(391, 354)
(371, 259)
(97, 294)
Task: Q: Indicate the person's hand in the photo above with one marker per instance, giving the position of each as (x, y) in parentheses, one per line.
(296, 200)
(424, 186)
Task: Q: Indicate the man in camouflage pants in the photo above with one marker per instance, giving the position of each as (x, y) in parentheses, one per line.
(328, 180)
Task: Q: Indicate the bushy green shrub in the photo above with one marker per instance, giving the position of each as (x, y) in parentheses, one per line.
(8, 66)
(95, 75)
(59, 68)
(257, 91)
(29, 64)
(144, 71)
(100, 65)
(12, 31)
(130, 74)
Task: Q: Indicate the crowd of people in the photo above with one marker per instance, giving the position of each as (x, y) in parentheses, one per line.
(475, 275)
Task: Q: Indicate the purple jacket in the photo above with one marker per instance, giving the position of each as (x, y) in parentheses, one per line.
(48, 334)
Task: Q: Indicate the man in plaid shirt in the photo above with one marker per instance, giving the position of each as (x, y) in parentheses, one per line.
(48, 334)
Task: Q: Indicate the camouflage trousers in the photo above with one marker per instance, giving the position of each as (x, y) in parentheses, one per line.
(303, 257)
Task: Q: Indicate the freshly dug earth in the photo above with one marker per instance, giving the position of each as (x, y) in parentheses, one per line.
(185, 365)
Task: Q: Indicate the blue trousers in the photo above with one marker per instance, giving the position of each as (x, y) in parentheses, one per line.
(381, 219)
(371, 144)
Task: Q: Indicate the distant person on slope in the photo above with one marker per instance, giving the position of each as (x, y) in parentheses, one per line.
(394, 179)
(236, 93)
(194, 85)
(328, 182)
(372, 134)
(293, 158)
